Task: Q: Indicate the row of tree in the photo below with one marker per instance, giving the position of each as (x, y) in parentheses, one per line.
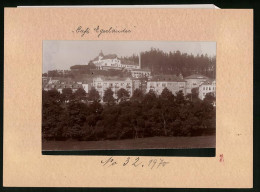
(160, 62)
(70, 116)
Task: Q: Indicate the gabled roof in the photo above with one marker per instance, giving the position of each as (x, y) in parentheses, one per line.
(167, 78)
(196, 76)
(109, 56)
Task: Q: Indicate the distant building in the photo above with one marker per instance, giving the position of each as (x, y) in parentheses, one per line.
(102, 84)
(172, 82)
(139, 73)
(111, 61)
(208, 86)
(59, 85)
(194, 81)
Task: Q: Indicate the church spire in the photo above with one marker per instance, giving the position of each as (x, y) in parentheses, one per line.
(101, 53)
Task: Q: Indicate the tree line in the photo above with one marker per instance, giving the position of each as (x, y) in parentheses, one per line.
(158, 62)
(82, 116)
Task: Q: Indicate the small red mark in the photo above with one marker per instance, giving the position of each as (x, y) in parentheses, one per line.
(221, 158)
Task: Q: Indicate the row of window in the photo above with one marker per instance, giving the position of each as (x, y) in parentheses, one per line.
(168, 84)
(209, 88)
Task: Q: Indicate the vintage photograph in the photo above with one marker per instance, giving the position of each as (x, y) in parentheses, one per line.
(121, 95)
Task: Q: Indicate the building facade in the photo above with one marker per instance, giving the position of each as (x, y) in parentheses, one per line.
(208, 86)
(194, 81)
(59, 85)
(102, 84)
(139, 73)
(111, 61)
(171, 82)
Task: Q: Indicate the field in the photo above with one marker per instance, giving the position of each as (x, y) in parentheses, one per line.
(140, 143)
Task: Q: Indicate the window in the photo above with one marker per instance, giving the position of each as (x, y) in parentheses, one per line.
(164, 84)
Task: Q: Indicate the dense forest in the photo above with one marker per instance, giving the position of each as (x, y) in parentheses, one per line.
(83, 117)
(158, 62)
(176, 62)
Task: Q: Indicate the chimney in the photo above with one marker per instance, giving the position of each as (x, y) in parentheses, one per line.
(140, 60)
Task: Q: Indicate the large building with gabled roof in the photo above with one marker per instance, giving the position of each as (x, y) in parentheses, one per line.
(111, 61)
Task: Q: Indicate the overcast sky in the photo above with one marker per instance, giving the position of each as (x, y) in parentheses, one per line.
(64, 54)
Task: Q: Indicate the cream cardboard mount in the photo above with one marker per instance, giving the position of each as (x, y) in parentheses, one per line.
(26, 28)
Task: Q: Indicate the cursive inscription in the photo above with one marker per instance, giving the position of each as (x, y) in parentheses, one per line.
(99, 31)
(153, 163)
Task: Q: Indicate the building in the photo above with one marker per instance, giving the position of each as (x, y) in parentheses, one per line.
(111, 61)
(139, 73)
(60, 84)
(172, 82)
(102, 84)
(208, 86)
(194, 81)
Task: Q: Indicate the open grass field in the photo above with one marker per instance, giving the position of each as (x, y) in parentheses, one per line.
(140, 143)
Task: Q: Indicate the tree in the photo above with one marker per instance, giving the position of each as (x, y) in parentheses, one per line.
(109, 96)
(210, 98)
(80, 94)
(167, 95)
(180, 97)
(193, 96)
(93, 95)
(51, 113)
(149, 98)
(77, 113)
(67, 94)
(137, 95)
(122, 94)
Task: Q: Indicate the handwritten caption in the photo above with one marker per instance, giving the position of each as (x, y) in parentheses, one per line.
(153, 163)
(99, 31)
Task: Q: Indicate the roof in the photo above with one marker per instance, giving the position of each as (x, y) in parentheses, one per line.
(146, 70)
(113, 78)
(196, 76)
(208, 82)
(109, 56)
(173, 78)
(65, 85)
(79, 67)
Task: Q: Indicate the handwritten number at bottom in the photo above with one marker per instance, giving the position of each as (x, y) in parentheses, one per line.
(153, 163)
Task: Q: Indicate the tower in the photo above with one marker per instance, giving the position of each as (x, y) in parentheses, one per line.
(139, 60)
(101, 53)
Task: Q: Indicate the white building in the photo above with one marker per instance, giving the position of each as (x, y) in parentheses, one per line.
(139, 73)
(171, 82)
(194, 81)
(102, 84)
(59, 85)
(111, 61)
(208, 86)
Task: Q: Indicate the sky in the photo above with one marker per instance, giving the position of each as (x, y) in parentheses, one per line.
(61, 55)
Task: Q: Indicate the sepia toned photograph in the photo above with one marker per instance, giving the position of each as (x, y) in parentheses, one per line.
(127, 95)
